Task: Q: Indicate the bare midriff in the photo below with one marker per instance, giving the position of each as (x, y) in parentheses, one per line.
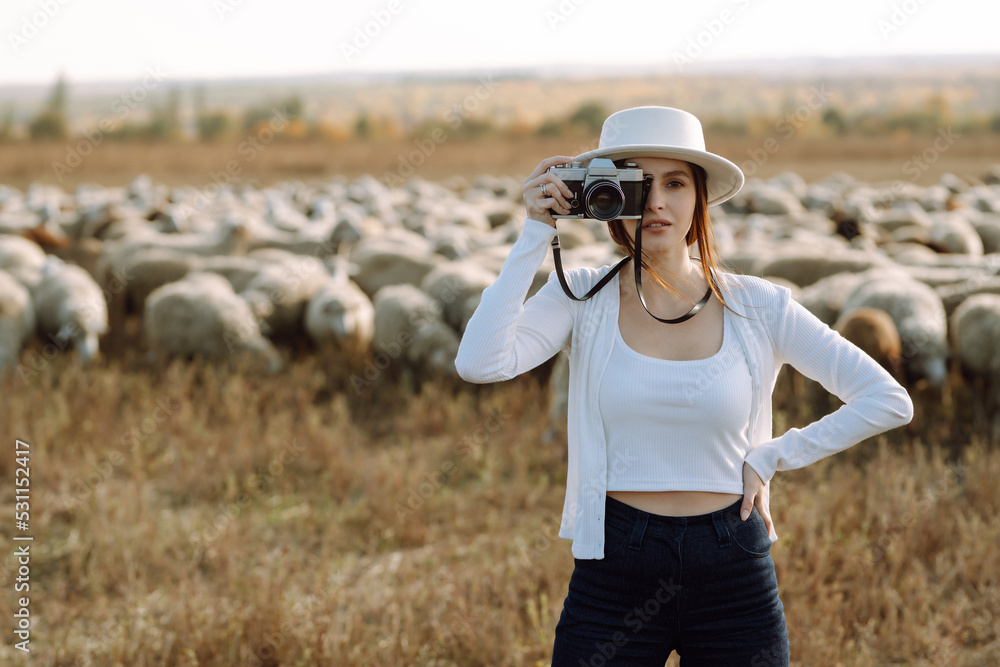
(676, 503)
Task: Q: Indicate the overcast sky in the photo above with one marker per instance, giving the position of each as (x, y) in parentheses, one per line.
(94, 40)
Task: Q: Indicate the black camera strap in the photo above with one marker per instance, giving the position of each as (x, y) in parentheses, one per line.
(647, 183)
(562, 279)
(638, 285)
(556, 256)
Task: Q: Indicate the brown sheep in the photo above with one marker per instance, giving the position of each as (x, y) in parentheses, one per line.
(873, 331)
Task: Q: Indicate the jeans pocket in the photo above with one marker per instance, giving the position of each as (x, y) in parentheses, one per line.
(617, 535)
(750, 535)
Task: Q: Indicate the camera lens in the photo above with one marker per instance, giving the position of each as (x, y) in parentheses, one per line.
(604, 200)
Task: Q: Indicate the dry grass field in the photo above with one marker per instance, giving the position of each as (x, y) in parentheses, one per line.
(110, 163)
(191, 515)
(186, 515)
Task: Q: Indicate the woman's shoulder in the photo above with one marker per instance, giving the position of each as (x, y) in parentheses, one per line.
(753, 286)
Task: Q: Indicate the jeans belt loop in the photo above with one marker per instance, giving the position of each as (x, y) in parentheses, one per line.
(718, 520)
(638, 530)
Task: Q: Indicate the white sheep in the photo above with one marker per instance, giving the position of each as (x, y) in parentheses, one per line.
(975, 332)
(954, 233)
(772, 200)
(408, 320)
(202, 315)
(453, 284)
(70, 307)
(17, 319)
(22, 259)
(231, 237)
(399, 257)
(825, 297)
(340, 315)
(953, 295)
(989, 233)
(238, 270)
(919, 316)
(278, 295)
(804, 267)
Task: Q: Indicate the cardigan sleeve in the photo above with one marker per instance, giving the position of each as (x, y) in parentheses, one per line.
(873, 401)
(507, 335)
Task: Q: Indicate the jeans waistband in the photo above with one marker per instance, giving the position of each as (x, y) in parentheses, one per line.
(616, 508)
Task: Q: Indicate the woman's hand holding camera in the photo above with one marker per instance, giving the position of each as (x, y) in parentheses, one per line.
(544, 192)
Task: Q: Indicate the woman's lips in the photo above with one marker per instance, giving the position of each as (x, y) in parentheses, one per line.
(654, 225)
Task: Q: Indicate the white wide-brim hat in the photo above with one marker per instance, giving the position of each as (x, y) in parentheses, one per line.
(666, 132)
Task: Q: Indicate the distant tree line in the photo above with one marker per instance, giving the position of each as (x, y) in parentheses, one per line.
(163, 122)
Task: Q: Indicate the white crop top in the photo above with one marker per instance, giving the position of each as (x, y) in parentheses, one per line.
(676, 425)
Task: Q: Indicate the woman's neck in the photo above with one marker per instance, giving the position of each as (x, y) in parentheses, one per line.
(678, 270)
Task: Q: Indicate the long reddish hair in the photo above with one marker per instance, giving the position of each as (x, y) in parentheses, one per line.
(700, 233)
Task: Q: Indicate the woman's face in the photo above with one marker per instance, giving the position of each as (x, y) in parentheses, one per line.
(669, 210)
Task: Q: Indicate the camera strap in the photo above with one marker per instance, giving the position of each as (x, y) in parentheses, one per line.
(557, 258)
(562, 278)
(638, 286)
(647, 183)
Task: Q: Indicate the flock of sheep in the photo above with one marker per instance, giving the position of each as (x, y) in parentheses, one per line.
(909, 273)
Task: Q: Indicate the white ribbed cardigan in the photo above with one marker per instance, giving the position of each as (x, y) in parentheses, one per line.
(507, 336)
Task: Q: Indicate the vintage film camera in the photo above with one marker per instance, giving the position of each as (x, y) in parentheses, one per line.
(601, 190)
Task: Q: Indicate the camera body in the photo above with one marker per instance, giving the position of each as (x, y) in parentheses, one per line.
(601, 190)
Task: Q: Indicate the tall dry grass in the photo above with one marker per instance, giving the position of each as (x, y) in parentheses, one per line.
(189, 515)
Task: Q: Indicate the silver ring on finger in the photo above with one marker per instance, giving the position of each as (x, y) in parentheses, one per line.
(544, 194)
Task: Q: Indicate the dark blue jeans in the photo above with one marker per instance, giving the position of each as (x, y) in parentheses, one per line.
(701, 585)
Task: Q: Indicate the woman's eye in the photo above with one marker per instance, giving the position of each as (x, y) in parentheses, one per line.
(673, 184)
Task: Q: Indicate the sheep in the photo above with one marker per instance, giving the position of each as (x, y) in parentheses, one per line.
(791, 182)
(825, 297)
(202, 315)
(453, 284)
(70, 306)
(82, 252)
(231, 237)
(806, 267)
(340, 315)
(873, 331)
(149, 268)
(908, 215)
(919, 316)
(956, 234)
(239, 271)
(975, 331)
(773, 200)
(989, 234)
(953, 295)
(402, 257)
(22, 259)
(17, 319)
(455, 243)
(278, 295)
(408, 324)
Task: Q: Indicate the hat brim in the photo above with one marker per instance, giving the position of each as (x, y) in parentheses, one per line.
(725, 179)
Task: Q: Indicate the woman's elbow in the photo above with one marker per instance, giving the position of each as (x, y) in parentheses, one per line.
(467, 368)
(472, 369)
(902, 404)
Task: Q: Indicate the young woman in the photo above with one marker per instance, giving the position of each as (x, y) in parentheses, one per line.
(669, 413)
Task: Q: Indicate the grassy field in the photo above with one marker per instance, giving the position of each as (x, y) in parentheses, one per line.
(191, 515)
(187, 515)
(866, 158)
